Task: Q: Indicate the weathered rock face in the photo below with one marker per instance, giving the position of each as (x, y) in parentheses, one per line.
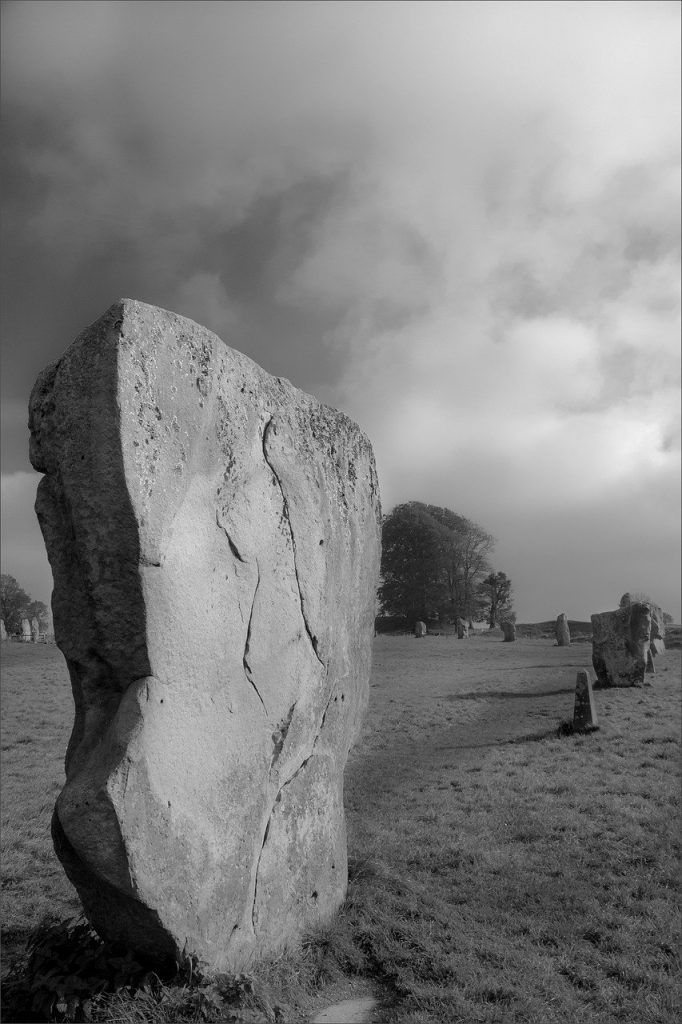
(584, 710)
(462, 630)
(420, 629)
(214, 536)
(509, 630)
(563, 633)
(620, 645)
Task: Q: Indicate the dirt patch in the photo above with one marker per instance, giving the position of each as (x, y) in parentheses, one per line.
(350, 1011)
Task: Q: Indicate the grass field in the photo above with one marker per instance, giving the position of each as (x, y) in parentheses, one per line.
(498, 873)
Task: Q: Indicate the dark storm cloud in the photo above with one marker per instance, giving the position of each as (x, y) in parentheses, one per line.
(454, 221)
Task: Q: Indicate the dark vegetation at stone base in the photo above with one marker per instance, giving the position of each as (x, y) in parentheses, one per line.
(498, 871)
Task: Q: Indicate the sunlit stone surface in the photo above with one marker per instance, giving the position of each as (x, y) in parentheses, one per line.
(214, 536)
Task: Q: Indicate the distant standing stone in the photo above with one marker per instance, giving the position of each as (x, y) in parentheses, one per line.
(420, 629)
(25, 631)
(3, 631)
(35, 630)
(462, 630)
(563, 634)
(620, 645)
(509, 630)
(584, 711)
(657, 644)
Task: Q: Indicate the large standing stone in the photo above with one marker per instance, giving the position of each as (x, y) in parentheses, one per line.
(620, 644)
(35, 630)
(25, 631)
(563, 633)
(584, 710)
(420, 629)
(462, 630)
(509, 630)
(214, 536)
(3, 631)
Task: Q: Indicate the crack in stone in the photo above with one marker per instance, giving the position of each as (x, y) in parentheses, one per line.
(233, 547)
(285, 509)
(324, 717)
(277, 799)
(280, 734)
(245, 661)
(255, 877)
(314, 645)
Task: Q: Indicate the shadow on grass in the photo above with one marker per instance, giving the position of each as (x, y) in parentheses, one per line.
(530, 668)
(556, 732)
(505, 694)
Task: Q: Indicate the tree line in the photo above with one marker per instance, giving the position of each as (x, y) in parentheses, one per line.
(437, 563)
(434, 563)
(17, 605)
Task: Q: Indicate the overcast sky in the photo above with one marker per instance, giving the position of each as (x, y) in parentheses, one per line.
(459, 223)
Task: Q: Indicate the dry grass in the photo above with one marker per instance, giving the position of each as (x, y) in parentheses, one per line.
(498, 872)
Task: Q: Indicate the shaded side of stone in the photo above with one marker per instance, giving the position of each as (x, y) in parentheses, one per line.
(584, 711)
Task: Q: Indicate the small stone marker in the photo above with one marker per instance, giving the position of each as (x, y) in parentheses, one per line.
(657, 643)
(563, 634)
(25, 631)
(462, 630)
(509, 630)
(420, 629)
(3, 631)
(584, 711)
